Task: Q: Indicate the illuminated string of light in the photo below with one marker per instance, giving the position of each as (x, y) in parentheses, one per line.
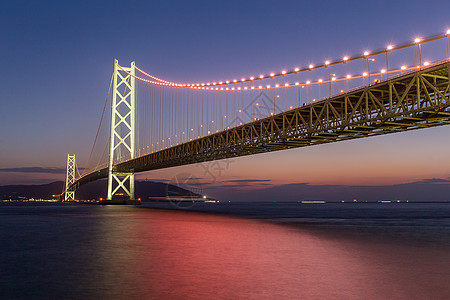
(285, 85)
(310, 67)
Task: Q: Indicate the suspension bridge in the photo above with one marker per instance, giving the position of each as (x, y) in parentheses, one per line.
(155, 123)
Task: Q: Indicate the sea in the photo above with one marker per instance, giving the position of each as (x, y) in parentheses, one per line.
(225, 251)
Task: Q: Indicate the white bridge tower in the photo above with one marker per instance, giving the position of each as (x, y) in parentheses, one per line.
(69, 194)
(122, 136)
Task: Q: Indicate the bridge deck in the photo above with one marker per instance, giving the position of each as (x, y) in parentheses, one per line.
(414, 100)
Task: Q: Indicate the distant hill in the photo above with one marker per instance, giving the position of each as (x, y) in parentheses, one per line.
(43, 191)
(93, 190)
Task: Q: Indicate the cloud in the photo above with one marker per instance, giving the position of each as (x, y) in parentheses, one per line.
(434, 180)
(248, 180)
(35, 170)
(152, 179)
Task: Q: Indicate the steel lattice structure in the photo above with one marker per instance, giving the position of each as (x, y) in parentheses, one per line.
(69, 194)
(122, 136)
(415, 100)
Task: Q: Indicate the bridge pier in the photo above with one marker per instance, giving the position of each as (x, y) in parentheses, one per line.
(120, 202)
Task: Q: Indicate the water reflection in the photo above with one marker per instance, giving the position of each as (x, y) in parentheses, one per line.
(145, 254)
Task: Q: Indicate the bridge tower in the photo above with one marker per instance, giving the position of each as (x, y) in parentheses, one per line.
(122, 135)
(69, 194)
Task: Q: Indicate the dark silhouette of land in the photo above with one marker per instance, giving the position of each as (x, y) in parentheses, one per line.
(420, 191)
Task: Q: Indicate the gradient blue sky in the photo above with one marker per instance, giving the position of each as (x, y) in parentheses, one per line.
(56, 62)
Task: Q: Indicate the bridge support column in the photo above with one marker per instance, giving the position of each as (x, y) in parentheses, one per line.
(69, 194)
(122, 136)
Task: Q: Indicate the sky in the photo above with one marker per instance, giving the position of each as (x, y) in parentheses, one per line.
(57, 58)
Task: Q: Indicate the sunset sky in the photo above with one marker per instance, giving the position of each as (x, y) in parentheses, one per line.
(57, 59)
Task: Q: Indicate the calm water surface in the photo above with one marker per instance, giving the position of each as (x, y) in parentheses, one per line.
(271, 251)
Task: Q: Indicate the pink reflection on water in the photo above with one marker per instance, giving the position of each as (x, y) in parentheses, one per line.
(179, 255)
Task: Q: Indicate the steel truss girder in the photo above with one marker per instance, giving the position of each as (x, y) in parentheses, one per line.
(69, 194)
(122, 136)
(411, 101)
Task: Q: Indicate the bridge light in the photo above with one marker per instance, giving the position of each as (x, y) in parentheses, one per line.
(232, 88)
(390, 47)
(277, 85)
(327, 62)
(345, 58)
(297, 83)
(364, 74)
(334, 78)
(320, 80)
(417, 40)
(349, 76)
(283, 72)
(252, 87)
(235, 80)
(448, 31)
(297, 69)
(311, 66)
(286, 84)
(239, 110)
(261, 76)
(308, 82)
(227, 81)
(260, 87)
(426, 63)
(242, 79)
(220, 82)
(272, 74)
(366, 53)
(268, 86)
(290, 107)
(252, 78)
(403, 67)
(383, 71)
(214, 83)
